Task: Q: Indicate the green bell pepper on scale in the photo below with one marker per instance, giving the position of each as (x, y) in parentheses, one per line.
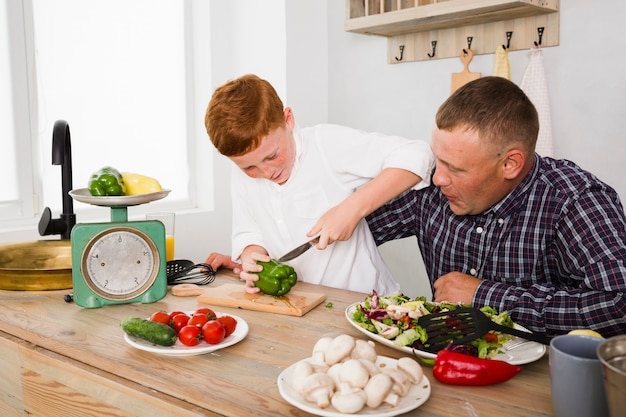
(276, 278)
(106, 182)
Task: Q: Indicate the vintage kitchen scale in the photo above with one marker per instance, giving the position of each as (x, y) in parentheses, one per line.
(121, 261)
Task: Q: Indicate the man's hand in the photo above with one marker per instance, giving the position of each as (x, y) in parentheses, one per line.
(455, 287)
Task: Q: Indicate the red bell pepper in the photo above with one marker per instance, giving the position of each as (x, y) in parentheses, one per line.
(460, 369)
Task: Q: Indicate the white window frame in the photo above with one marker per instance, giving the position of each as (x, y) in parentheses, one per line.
(200, 154)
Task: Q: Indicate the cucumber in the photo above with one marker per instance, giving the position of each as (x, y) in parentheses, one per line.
(157, 333)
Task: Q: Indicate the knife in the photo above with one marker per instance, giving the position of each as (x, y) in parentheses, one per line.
(292, 254)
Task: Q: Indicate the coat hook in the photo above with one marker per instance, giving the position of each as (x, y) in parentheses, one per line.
(509, 35)
(469, 43)
(434, 45)
(401, 53)
(540, 33)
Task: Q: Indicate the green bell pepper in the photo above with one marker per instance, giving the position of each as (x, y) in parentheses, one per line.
(276, 278)
(106, 181)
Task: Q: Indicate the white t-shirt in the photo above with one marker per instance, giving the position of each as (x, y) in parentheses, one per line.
(331, 163)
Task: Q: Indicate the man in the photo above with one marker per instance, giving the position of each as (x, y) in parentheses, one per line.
(501, 226)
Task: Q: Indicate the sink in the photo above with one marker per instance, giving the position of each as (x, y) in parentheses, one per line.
(36, 265)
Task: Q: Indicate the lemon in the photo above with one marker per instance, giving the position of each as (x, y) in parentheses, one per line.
(586, 332)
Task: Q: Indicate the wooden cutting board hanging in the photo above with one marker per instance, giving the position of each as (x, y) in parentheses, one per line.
(461, 78)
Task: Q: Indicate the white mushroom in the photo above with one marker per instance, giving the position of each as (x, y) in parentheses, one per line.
(319, 354)
(378, 389)
(401, 382)
(349, 400)
(300, 372)
(410, 367)
(339, 348)
(386, 331)
(333, 372)
(364, 350)
(318, 388)
(354, 373)
(371, 367)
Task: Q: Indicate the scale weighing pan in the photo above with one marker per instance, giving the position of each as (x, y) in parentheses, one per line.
(83, 195)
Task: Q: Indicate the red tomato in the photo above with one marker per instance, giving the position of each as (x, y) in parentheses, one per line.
(213, 332)
(189, 335)
(229, 324)
(160, 317)
(179, 321)
(198, 320)
(207, 312)
(491, 337)
(174, 313)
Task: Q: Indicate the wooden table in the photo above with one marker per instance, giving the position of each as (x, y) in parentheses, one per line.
(60, 359)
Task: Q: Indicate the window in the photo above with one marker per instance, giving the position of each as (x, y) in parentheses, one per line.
(118, 72)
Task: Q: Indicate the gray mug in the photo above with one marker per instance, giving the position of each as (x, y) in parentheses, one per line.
(576, 377)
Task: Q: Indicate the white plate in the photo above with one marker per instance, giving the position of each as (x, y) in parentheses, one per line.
(526, 353)
(178, 349)
(84, 196)
(417, 395)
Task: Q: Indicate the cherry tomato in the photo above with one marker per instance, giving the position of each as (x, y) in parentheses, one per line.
(174, 313)
(179, 321)
(198, 320)
(189, 335)
(229, 324)
(207, 312)
(160, 317)
(491, 337)
(213, 332)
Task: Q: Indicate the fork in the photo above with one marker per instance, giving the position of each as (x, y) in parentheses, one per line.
(514, 343)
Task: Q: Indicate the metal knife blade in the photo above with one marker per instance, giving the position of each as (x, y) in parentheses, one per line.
(292, 254)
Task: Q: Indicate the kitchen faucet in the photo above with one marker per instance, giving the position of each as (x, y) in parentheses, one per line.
(61, 155)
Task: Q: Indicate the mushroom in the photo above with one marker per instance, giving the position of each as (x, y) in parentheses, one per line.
(364, 350)
(378, 389)
(386, 331)
(339, 348)
(300, 372)
(371, 367)
(333, 372)
(354, 373)
(318, 388)
(349, 400)
(410, 367)
(400, 380)
(319, 354)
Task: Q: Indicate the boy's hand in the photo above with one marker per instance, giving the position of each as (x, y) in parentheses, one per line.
(338, 223)
(249, 266)
(219, 260)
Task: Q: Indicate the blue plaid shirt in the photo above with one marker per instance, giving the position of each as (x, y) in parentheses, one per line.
(552, 253)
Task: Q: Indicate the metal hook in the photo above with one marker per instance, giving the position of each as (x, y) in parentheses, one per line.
(401, 53)
(434, 45)
(540, 33)
(509, 35)
(469, 43)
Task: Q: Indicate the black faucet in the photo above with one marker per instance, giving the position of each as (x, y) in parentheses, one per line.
(61, 155)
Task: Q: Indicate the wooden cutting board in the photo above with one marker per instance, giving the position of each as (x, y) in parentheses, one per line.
(461, 78)
(294, 303)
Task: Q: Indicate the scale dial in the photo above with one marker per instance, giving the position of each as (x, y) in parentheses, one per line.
(120, 263)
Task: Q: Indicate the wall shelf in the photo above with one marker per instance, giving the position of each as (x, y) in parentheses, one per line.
(414, 24)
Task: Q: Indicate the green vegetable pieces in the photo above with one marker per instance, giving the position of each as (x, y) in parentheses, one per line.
(157, 333)
(276, 278)
(107, 181)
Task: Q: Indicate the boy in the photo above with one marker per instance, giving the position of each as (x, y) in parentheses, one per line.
(292, 184)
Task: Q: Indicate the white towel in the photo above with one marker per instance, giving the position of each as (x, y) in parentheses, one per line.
(501, 66)
(536, 88)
